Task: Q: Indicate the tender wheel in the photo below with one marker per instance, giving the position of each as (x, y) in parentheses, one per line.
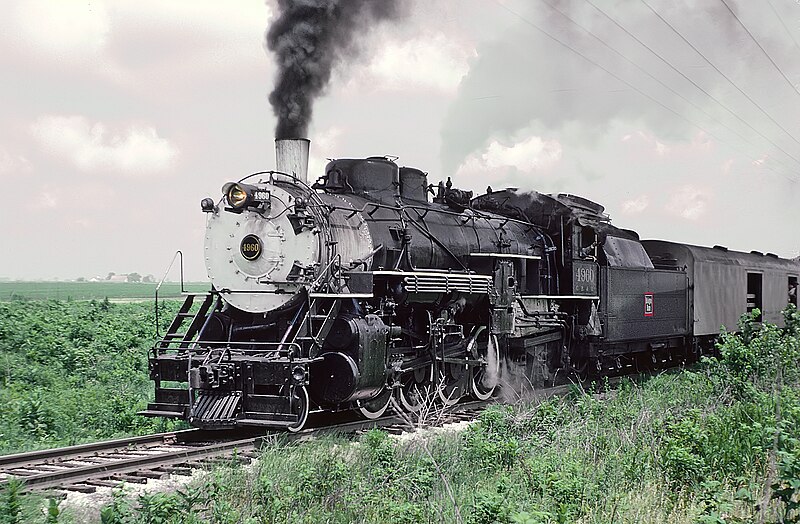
(375, 407)
(483, 379)
(415, 388)
(300, 405)
(451, 385)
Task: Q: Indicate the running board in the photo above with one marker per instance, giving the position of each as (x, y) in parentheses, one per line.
(271, 423)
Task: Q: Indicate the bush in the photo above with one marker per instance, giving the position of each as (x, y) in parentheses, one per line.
(752, 359)
(493, 441)
(74, 372)
(684, 450)
(491, 506)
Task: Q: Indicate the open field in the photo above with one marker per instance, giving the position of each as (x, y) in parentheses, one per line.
(92, 290)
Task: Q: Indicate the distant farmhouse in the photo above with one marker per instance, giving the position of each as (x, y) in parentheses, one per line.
(130, 277)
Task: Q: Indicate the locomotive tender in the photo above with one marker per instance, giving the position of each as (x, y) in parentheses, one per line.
(356, 289)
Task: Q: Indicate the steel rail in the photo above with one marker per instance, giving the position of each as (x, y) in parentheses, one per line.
(74, 475)
(43, 456)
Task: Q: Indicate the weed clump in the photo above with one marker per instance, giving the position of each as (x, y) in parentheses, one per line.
(493, 442)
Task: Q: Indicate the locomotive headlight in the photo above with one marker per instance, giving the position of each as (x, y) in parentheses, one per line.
(237, 196)
(240, 196)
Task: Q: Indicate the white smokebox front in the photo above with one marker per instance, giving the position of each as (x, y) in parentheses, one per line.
(291, 157)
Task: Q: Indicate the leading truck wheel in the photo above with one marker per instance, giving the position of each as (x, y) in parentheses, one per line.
(483, 380)
(298, 401)
(375, 407)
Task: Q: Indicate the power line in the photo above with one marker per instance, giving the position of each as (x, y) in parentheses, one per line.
(687, 42)
(753, 38)
(676, 93)
(600, 66)
(560, 42)
(695, 84)
(780, 19)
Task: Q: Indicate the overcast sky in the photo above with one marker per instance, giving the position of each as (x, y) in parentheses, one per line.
(681, 117)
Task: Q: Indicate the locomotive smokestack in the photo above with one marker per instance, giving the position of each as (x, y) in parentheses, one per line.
(291, 157)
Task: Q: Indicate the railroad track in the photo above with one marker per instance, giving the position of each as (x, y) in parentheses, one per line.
(109, 463)
(86, 467)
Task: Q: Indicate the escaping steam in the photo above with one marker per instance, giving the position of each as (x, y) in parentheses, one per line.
(309, 37)
(492, 375)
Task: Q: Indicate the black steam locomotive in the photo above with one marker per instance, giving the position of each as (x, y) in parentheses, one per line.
(346, 293)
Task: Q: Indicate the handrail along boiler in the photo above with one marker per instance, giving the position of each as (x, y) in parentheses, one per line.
(345, 293)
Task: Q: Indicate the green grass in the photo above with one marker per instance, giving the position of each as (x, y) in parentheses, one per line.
(92, 290)
(717, 444)
(579, 459)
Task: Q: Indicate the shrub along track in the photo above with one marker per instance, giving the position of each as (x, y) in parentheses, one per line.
(85, 467)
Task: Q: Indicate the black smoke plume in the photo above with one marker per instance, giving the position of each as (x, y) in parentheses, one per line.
(309, 37)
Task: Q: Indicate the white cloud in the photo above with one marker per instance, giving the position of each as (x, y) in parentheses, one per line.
(43, 198)
(196, 37)
(689, 202)
(635, 205)
(63, 28)
(91, 147)
(328, 140)
(13, 164)
(431, 62)
(136, 42)
(526, 155)
(501, 164)
(702, 142)
(46, 200)
(211, 16)
(727, 165)
(325, 143)
(649, 140)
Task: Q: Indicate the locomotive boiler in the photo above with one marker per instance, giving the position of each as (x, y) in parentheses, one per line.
(368, 284)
